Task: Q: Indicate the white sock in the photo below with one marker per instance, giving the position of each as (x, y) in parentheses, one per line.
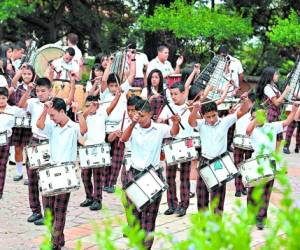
(12, 154)
(193, 185)
(20, 168)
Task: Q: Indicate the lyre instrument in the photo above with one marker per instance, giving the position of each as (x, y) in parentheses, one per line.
(293, 81)
(30, 51)
(119, 63)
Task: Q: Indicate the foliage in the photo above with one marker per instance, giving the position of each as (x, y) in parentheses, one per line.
(286, 32)
(189, 21)
(9, 9)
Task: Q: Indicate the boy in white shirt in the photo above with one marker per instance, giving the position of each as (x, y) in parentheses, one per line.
(263, 139)
(95, 118)
(63, 135)
(179, 106)
(7, 117)
(213, 133)
(35, 107)
(146, 139)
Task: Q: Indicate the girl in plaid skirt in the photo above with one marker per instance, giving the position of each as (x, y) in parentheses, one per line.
(155, 92)
(268, 92)
(21, 136)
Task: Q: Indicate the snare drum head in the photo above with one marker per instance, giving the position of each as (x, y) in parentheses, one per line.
(44, 55)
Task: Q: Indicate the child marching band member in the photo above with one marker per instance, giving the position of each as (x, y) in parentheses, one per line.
(145, 137)
(213, 133)
(156, 93)
(63, 135)
(268, 91)
(21, 136)
(179, 106)
(263, 140)
(117, 148)
(7, 116)
(95, 118)
(94, 85)
(242, 154)
(35, 107)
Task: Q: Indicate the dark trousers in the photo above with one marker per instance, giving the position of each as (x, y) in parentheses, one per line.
(58, 205)
(112, 172)
(239, 156)
(98, 175)
(185, 169)
(290, 131)
(147, 217)
(4, 155)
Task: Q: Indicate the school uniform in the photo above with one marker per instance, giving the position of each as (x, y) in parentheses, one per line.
(63, 147)
(274, 111)
(263, 140)
(94, 135)
(143, 155)
(6, 125)
(20, 136)
(185, 168)
(213, 144)
(35, 109)
(117, 149)
(289, 133)
(240, 154)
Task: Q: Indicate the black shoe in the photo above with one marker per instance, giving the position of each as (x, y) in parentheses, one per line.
(96, 206)
(191, 195)
(238, 194)
(1, 196)
(260, 225)
(297, 149)
(39, 222)
(110, 190)
(12, 163)
(26, 182)
(181, 212)
(169, 211)
(86, 203)
(18, 177)
(34, 217)
(286, 150)
(244, 191)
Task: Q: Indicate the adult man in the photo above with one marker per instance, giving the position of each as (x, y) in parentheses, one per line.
(161, 62)
(18, 51)
(72, 41)
(59, 69)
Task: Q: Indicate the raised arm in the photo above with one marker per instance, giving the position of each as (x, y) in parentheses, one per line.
(194, 114)
(23, 101)
(188, 82)
(128, 131)
(41, 121)
(224, 93)
(175, 125)
(114, 102)
(178, 64)
(132, 67)
(70, 98)
(278, 101)
(16, 78)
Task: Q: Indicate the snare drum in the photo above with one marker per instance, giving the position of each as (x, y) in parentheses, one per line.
(95, 156)
(218, 171)
(256, 171)
(23, 122)
(145, 188)
(171, 79)
(61, 88)
(178, 151)
(38, 155)
(134, 91)
(242, 141)
(111, 127)
(3, 138)
(58, 179)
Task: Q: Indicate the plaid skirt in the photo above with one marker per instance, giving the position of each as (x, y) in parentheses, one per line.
(21, 136)
(273, 115)
(138, 82)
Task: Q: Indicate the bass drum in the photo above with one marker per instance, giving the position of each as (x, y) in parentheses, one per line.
(44, 55)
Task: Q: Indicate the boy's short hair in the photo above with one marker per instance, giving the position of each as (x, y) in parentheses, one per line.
(73, 38)
(4, 91)
(208, 107)
(43, 82)
(19, 45)
(59, 104)
(161, 47)
(92, 98)
(178, 85)
(113, 78)
(143, 105)
(133, 100)
(70, 51)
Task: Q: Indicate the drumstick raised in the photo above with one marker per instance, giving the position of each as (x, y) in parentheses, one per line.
(122, 126)
(172, 111)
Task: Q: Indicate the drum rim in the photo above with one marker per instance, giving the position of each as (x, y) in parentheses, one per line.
(58, 164)
(93, 145)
